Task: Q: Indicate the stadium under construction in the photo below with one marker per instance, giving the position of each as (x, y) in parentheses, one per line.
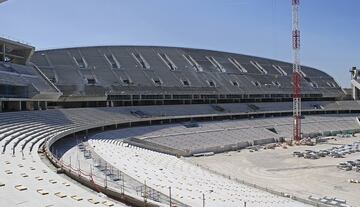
(172, 126)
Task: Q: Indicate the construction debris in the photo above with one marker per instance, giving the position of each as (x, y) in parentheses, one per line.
(350, 165)
(354, 181)
(330, 201)
(335, 152)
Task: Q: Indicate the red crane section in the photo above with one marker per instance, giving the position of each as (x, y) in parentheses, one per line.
(296, 77)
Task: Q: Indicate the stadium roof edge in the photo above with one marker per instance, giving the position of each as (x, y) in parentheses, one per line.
(16, 43)
(159, 46)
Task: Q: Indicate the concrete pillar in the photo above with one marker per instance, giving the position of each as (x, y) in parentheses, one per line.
(43, 105)
(1, 106)
(29, 106)
(355, 93)
(36, 105)
(3, 51)
(19, 108)
(354, 76)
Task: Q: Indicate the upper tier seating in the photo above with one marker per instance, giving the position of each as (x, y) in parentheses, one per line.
(169, 70)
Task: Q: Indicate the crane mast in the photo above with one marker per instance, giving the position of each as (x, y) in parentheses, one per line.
(296, 77)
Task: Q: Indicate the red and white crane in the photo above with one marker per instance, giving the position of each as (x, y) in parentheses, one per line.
(296, 77)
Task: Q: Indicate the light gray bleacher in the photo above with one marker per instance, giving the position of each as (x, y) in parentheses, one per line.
(187, 181)
(319, 124)
(231, 135)
(21, 134)
(175, 110)
(27, 77)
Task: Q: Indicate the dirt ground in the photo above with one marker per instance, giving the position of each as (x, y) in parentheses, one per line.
(277, 169)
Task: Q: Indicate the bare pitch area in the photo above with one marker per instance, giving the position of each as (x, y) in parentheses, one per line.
(278, 170)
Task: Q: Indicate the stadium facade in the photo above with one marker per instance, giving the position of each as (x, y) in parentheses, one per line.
(147, 75)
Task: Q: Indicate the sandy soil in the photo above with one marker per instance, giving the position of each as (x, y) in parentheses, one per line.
(279, 170)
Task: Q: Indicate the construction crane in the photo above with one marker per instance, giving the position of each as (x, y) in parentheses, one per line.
(296, 77)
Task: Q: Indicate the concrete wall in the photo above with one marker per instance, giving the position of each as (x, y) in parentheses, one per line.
(264, 141)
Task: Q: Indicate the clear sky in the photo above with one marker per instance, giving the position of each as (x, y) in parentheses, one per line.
(330, 29)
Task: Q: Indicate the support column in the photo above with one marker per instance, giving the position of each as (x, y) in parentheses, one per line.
(1, 106)
(43, 105)
(3, 51)
(36, 105)
(354, 76)
(29, 105)
(355, 93)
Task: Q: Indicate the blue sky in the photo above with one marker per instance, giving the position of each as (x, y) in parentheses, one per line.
(329, 28)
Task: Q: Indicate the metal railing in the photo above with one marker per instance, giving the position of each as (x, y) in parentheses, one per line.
(100, 172)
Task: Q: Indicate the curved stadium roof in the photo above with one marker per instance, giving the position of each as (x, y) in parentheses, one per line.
(115, 70)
